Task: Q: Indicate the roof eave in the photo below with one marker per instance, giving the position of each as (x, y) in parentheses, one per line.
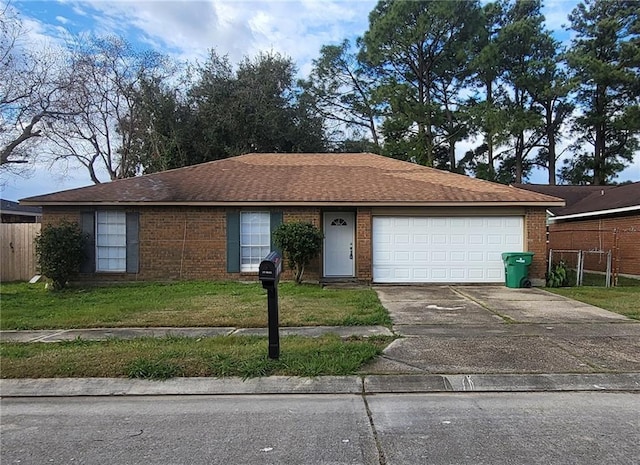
(311, 203)
(595, 213)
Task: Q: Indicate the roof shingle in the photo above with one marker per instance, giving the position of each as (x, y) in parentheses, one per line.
(300, 179)
(590, 199)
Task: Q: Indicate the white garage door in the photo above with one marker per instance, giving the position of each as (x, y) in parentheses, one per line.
(443, 249)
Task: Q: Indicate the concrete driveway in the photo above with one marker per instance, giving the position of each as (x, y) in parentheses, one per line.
(494, 329)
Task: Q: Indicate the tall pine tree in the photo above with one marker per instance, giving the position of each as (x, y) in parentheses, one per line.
(605, 58)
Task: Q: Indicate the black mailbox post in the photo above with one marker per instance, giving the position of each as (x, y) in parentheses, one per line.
(269, 274)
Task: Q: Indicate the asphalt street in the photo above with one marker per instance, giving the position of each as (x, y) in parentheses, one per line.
(585, 428)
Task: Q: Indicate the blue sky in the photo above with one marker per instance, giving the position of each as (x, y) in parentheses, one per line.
(187, 29)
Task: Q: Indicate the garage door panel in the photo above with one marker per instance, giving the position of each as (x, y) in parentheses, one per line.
(494, 239)
(443, 249)
(457, 240)
(420, 239)
(495, 273)
(476, 273)
(420, 273)
(457, 273)
(512, 239)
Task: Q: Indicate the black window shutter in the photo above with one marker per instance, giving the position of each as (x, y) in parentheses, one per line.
(133, 242)
(233, 242)
(275, 221)
(87, 224)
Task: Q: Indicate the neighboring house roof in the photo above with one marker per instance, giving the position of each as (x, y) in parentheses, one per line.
(585, 201)
(8, 207)
(300, 179)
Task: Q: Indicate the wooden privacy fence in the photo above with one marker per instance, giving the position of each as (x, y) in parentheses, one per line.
(17, 251)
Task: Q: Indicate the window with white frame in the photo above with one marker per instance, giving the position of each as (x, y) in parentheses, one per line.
(255, 239)
(111, 241)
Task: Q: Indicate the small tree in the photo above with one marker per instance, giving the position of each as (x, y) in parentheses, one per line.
(301, 242)
(60, 251)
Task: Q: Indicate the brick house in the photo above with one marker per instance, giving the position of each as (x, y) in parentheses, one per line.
(384, 220)
(597, 218)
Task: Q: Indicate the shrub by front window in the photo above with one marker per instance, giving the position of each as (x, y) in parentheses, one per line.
(60, 251)
(301, 242)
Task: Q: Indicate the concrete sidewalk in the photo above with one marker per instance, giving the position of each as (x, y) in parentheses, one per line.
(359, 385)
(100, 334)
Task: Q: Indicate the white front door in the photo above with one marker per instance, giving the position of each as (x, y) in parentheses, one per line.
(339, 251)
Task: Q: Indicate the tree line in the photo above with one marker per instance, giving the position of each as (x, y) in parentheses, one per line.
(425, 77)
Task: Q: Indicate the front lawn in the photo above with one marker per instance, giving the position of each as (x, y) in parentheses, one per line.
(184, 304)
(163, 358)
(622, 300)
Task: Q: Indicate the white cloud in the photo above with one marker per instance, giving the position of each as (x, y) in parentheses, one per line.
(556, 13)
(235, 28)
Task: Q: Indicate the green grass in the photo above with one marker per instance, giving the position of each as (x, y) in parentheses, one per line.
(622, 300)
(184, 304)
(599, 280)
(152, 358)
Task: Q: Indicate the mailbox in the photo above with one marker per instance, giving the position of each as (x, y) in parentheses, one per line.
(270, 269)
(269, 274)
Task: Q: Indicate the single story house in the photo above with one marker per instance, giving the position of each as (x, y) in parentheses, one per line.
(596, 218)
(384, 220)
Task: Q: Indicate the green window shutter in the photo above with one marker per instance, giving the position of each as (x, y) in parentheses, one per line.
(276, 220)
(233, 242)
(87, 224)
(133, 242)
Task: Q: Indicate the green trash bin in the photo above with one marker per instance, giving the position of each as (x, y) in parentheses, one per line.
(516, 268)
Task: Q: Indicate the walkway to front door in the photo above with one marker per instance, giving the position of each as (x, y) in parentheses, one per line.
(339, 229)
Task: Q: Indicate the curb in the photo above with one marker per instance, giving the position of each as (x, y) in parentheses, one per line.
(368, 385)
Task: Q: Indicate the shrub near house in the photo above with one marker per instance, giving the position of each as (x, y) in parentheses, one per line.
(60, 251)
(301, 242)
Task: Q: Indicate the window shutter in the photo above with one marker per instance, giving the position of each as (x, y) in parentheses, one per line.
(276, 220)
(87, 224)
(133, 242)
(233, 242)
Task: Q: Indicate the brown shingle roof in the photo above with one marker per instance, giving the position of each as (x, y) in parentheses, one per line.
(300, 179)
(590, 199)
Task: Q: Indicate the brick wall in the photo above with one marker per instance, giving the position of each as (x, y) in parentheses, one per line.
(56, 215)
(186, 243)
(190, 242)
(620, 234)
(364, 264)
(182, 243)
(536, 242)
